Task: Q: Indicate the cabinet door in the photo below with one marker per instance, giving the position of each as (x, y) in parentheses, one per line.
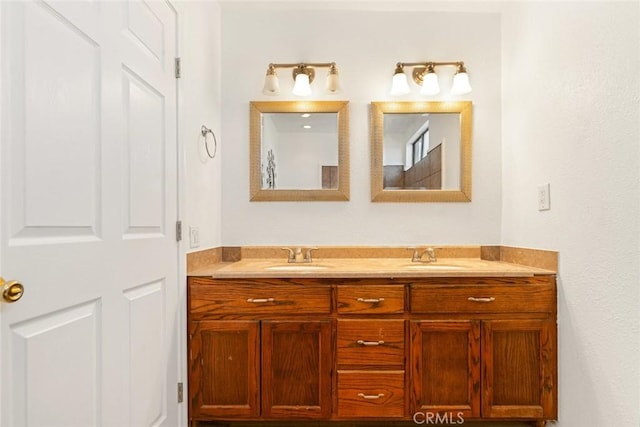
(445, 368)
(224, 366)
(519, 369)
(296, 369)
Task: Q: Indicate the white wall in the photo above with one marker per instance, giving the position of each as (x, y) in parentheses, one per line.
(366, 46)
(571, 96)
(200, 105)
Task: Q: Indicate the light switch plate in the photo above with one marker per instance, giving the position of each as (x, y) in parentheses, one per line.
(194, 236)
(544, 197)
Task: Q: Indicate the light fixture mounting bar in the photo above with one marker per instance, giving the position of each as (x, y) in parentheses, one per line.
(303, 64)
(433, 63)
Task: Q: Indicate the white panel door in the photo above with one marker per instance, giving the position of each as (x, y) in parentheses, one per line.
(88, 210)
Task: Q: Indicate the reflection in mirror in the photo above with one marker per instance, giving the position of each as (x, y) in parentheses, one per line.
(306, 147)
(299, 151)
(421, 151)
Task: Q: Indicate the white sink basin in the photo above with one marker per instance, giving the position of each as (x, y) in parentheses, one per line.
(294, 267)
(434, 267)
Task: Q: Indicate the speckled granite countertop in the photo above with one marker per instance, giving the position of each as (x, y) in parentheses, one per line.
(366, 268)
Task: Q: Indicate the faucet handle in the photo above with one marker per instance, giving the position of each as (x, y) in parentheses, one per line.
(416, 254)
(292, 254)
(431, 251)
(307, 256)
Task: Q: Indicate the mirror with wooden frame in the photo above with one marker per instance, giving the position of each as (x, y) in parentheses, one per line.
(299, 151)
(421, 151)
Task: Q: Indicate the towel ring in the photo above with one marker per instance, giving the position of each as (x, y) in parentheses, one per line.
(205, 130)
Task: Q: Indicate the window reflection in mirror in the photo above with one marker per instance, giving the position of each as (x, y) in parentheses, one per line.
(299, 151)
(421, 151)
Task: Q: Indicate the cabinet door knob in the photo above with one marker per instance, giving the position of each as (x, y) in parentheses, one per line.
(481, 299)
(12, 290)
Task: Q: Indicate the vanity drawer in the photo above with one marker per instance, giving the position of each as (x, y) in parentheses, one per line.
(371, 342)
(369, 394)
(370, 299)
(482, 298)
(231, 300)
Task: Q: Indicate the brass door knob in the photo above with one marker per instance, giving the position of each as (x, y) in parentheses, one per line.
(12, 291)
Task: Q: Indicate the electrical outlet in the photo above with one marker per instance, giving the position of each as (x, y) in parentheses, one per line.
(194, 236)
(544, 198)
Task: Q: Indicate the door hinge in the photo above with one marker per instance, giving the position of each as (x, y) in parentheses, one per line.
(178, 71)
(178, 231)
(180, 393)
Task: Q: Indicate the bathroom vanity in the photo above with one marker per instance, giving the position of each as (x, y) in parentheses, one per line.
(384, 341)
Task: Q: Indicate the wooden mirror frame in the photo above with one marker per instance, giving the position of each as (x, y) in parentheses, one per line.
(378, 193)
(257, 193)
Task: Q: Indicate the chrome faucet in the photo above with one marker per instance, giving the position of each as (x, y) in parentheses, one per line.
(297, 256)
(419, 255)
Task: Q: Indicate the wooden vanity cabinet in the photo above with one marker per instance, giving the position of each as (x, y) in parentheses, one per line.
(259, 350)
(484, 348)
(372, 349)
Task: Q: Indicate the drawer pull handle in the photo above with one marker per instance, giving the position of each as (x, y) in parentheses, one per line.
(371, 300)
(370, 343)
(371, 396)
(260, 300)
(484, 299)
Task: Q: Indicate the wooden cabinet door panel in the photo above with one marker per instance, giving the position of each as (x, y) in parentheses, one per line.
(224, 369)
(519, 374)
(296, 369)
(445, 367)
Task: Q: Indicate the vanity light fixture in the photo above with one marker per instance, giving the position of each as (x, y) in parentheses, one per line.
(303, 75)
(424, 74)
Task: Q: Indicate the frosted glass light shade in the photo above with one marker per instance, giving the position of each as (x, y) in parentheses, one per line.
(399, 84)
(271, 85)
(302, 86)
(333, 83)
(430, 84)
(461, 84)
